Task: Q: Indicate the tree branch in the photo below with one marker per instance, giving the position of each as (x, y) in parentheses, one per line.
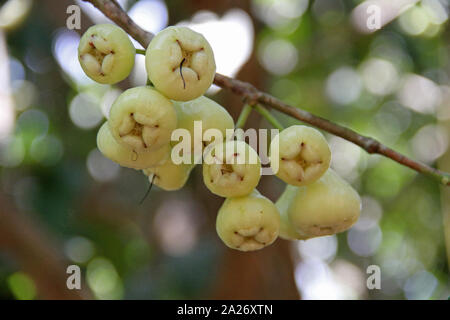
(113, 11)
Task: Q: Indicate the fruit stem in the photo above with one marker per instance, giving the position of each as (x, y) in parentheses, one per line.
(140, 51)
(243, 116)
(269, 117)
(148, 190)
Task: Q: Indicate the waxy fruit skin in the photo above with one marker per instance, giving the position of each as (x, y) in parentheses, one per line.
(180, 63)
(287, 231)
(142, 119)
(328, 206)
(211, 114)
(106, 54)
(169, 176)
(303, 155)
(116, 152)
(248, 223)
(228, 170)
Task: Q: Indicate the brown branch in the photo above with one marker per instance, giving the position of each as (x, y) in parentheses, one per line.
(112, 10)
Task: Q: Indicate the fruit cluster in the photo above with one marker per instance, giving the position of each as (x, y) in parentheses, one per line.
(180, 66)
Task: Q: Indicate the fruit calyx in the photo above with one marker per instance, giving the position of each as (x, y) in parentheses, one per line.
(98, 55)
(138, 131)
(302, 162)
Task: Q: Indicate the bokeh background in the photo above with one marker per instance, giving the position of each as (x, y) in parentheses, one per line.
(63, 203)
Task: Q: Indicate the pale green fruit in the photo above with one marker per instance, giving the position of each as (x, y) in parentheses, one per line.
(106, 54)
(211, 114)
(303, 155)
(327, 206)
(248, 223)
(116, 152)
(287, 231)
(142, 119)
(169, 176)
(231, 169)
(178, 53)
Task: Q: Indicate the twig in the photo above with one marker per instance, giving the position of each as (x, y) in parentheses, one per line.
(148, 190)
(243, 116)
(112, 10)
(269, 117)
(140, 51)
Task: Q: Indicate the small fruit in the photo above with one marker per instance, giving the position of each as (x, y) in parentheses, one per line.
(180, 63)
(126, 157)
(211, 114)
(231, 169)
(303, 155)
(142, 119)
(106, 54)
(169, 176)
(327, 206)
(287, 231)
(248, 223)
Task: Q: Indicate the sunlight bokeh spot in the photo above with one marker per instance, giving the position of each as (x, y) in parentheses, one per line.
(278, 56)
(379, 76)
(22, 286)
(101, 168)
(12, 151)
(65, 51)
(276, 13)
(419, 94)
(24, 94)
(151, 15)
(344, 86)
(414, 21)
(371, 213)
(47, 150)
(79, 249)
(84, 111)
(364, 242)
(323, 248)
(420, 286)
(176, 228)
(103, 279)
(430, 142)
(33, 122)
